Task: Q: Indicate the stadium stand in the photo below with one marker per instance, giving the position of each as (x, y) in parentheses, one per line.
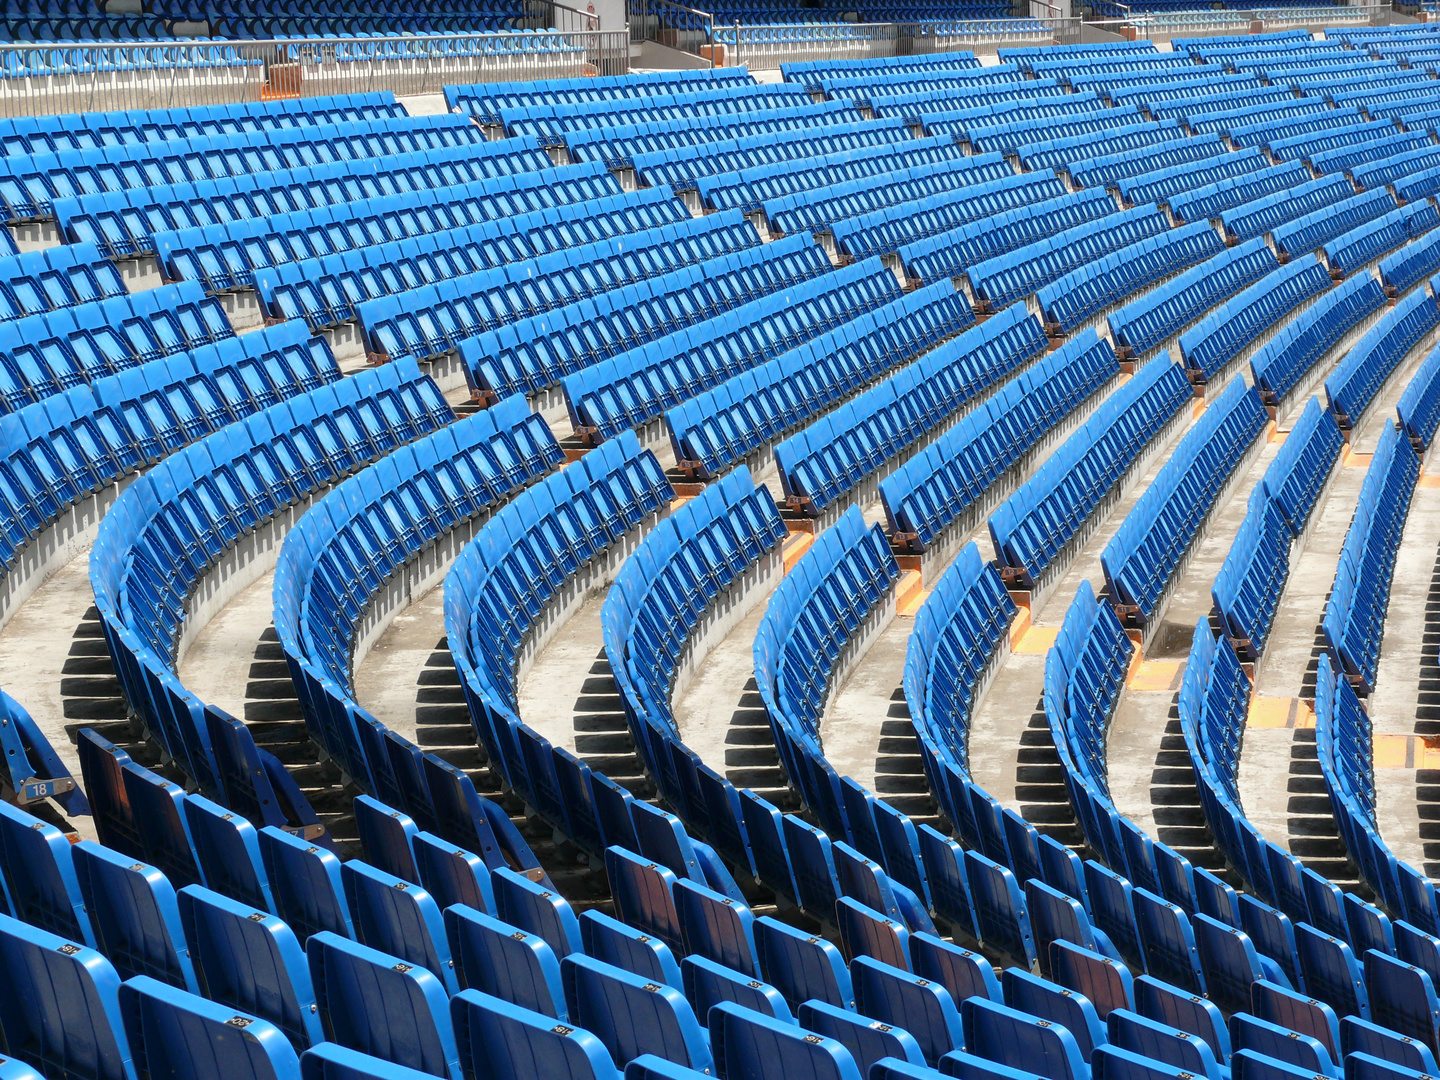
(394, 377)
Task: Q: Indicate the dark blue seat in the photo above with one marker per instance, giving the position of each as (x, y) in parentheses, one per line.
(451, 874)
(1112, 910)
(812, 867)
(1303, 1051)
(1416, 946)
(503, 961)
(1056, 917)
(1215, 898)
(751, 1046)
(382, 1006)
(386, 836)
(156, 804)
(1367, 927)
(1230, 963)
(305, 884)
(251, 961)
(177, 1034)
(1248, 1065)
(228, 850)
(1282, 1006)
(505, 1042)
(393, 916)
(1364, 1067)
(1161, 1042)
(134, 915)
(101, 762)
(707, 983)
(866, 1040)
(1104, 981)
(999, 909)
(1167, 941)
(945, 873)
(866, 932)
(633, 950)
(61, 1012)
(1331, 972)
(1326, 904)
(536, 909)
(644, 893)
(1166, 1004)
(863, 879)
(969, 1067)
(717, 927)
(331, 1062)
(960, 971)
(802, 966)
(1009, 1037)
(1272, 934)
(632, 1015)
(1063, 870)
(920, 1006)
(38, 870)
(1362, 1037)
(1402, 998)
(1040, 997)
(1114, 1063)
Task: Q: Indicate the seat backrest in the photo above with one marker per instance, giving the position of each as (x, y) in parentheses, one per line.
(644, 892)
(451, 874)
(610, 940)
(866, 932)
(802, 966)
(1331, 971)
(536, 909)
(228, 850)
(386, 836)
(750, 1046)
(397, 917)
(1303, 1051)
(134, 915)
(39, 875)
(329, 1061)
(504, 961)
(1161, 1042)
(1021, 1041)
(1402, 998)
(715, 926)
(707, 983)
(272, 982)
(505, 1042)
(632, 1015)
(1298, 1012)
(305, 884)
(924, 1008)
(378, 1004)
(1040, 997)
(61, 1011)
(866, 1040)
(1105, 982)
(962, 972)
(176, 1034)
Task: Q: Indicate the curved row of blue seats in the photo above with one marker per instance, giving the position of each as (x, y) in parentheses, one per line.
(1145, 552)
(1312, 146)
(1068, 153)
(936, 84)
(1317, 229)
(823, 462)
(1209, 345)
(124, 224)
(69, 275)
(967, 122)
(1247, 587)
(1203, 202)
(1260, 215)
(29, 184)
(557, 121)
(1147, 322)
(681, 369)
(1417, 410)
(492, 598)
(1397, 94)
(1266, 132)
(1352, 386)
(538, 352)
(1177, 98)
(682, 166)
(1017, 137)
(1344, 745)
(617, 145)
(1024, 271)
(79, 131)
(799, 642)
(43, 355)
(812, 71)
(1032, 526)
(936, 486)
(1069, 301)
(750, 188)
(227, 256)
(1112, 62)
(936, 236)
(915, 105)
(1381, 236)
(1164, 85)
(1355, 610)
(1279, 365)
(81, 441)
(485, 100)
(813, 211)
(1207, 113)
(1346, 158)
(1416, 109)
(33, 771)
(718, 428)
(327, 291)
(170, 524)
(1106, 167)
(430, 319)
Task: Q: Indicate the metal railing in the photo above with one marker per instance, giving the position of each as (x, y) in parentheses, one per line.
(673, 25)
(43, 79)
(1165, 24)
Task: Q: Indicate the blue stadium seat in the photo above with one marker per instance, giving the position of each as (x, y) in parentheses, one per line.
(174, 1033)
(499, 1039)
(751, 1046)
(1013, 1038)
(610, 940)
(802, 966)
(135, 916)
(632, 1015)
